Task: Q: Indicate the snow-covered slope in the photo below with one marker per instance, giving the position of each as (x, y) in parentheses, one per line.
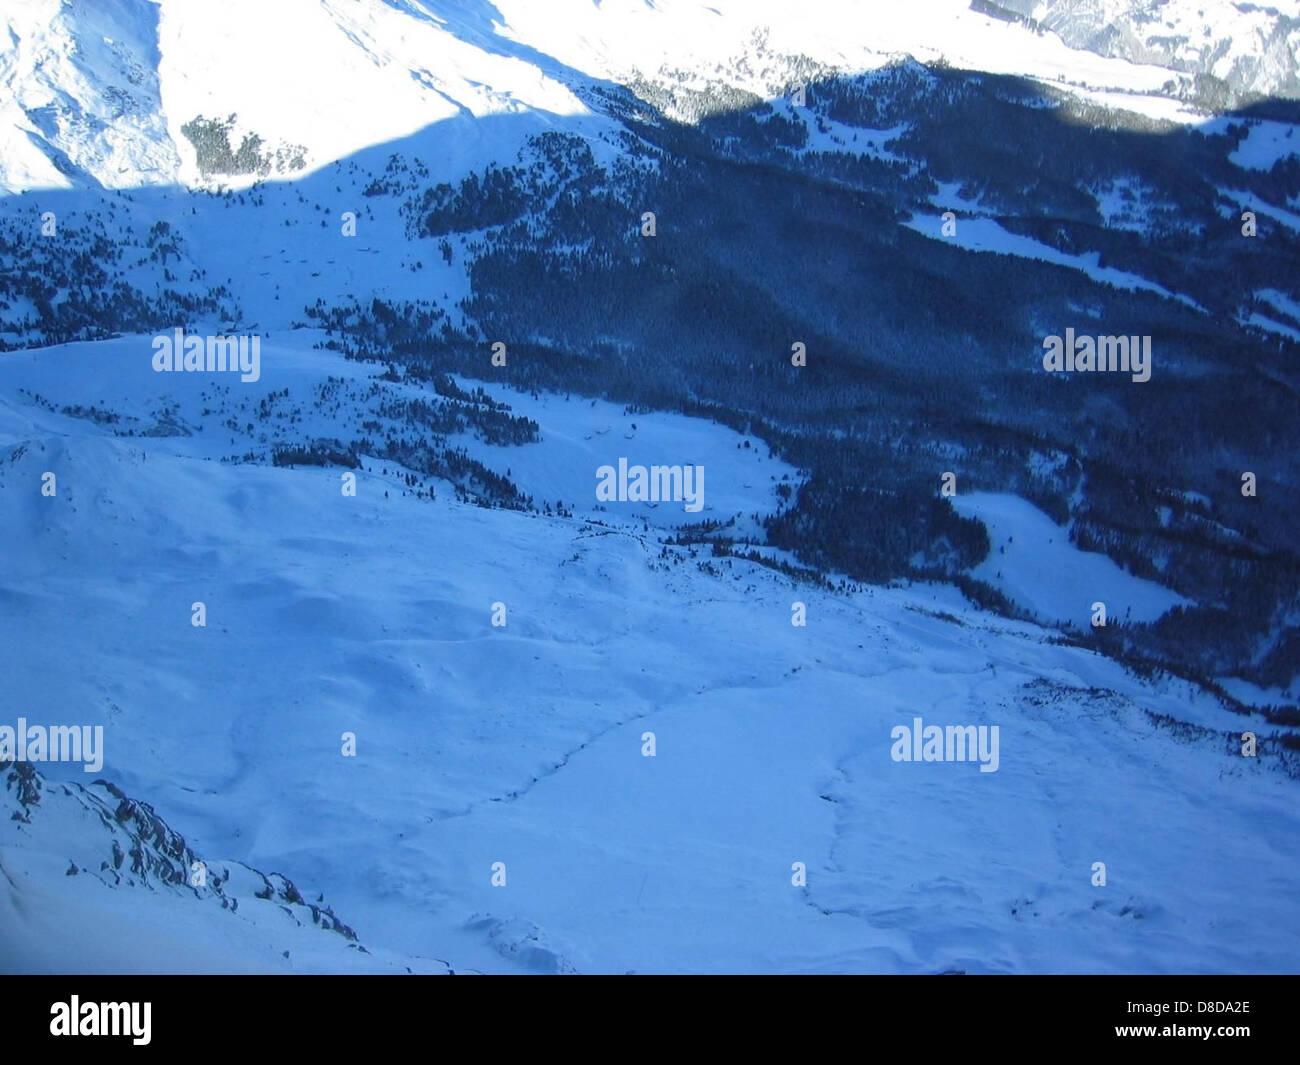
(367, 625)
(86, 870)
(522, 743)
(1034, 563)
(81, 101)
(1251, 47)
(158, 93)
(105, 93)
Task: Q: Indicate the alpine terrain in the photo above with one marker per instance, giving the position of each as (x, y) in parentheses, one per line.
(657, 486)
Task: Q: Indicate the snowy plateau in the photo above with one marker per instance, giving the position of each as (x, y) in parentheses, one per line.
(388, 684)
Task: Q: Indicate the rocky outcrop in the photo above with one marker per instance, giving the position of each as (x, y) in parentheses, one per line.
(125, 844)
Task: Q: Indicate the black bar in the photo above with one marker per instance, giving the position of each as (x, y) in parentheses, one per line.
(332, 1014)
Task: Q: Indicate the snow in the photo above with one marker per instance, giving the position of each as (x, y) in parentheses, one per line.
(583, 434)
(1128, 204)
(827, 135)
(1242, 201)
(1034, 564)
(522, 744)
(1281, 304)
(1280, 301)
(387, 75)
(55, 920)
(67, 71)
(101, 93)
(985, 234)
(357, 76)
(1265, 143)
(618, 37)
(1261, 321)
(1254, 694)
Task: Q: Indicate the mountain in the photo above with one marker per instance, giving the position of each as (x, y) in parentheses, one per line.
(533, 473)
(141, 92)
(1249, 48)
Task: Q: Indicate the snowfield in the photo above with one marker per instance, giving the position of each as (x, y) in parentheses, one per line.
(152, 68)
(522, 743)
(1034, 564)
(400, 732)
(986, 235)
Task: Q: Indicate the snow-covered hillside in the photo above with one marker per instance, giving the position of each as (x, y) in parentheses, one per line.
(103, 94)
(1250, 47)
(522, 743)
(378, 618)
(143, 92)
(92, 870)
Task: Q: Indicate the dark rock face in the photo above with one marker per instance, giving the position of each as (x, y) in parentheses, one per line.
(25, 783)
